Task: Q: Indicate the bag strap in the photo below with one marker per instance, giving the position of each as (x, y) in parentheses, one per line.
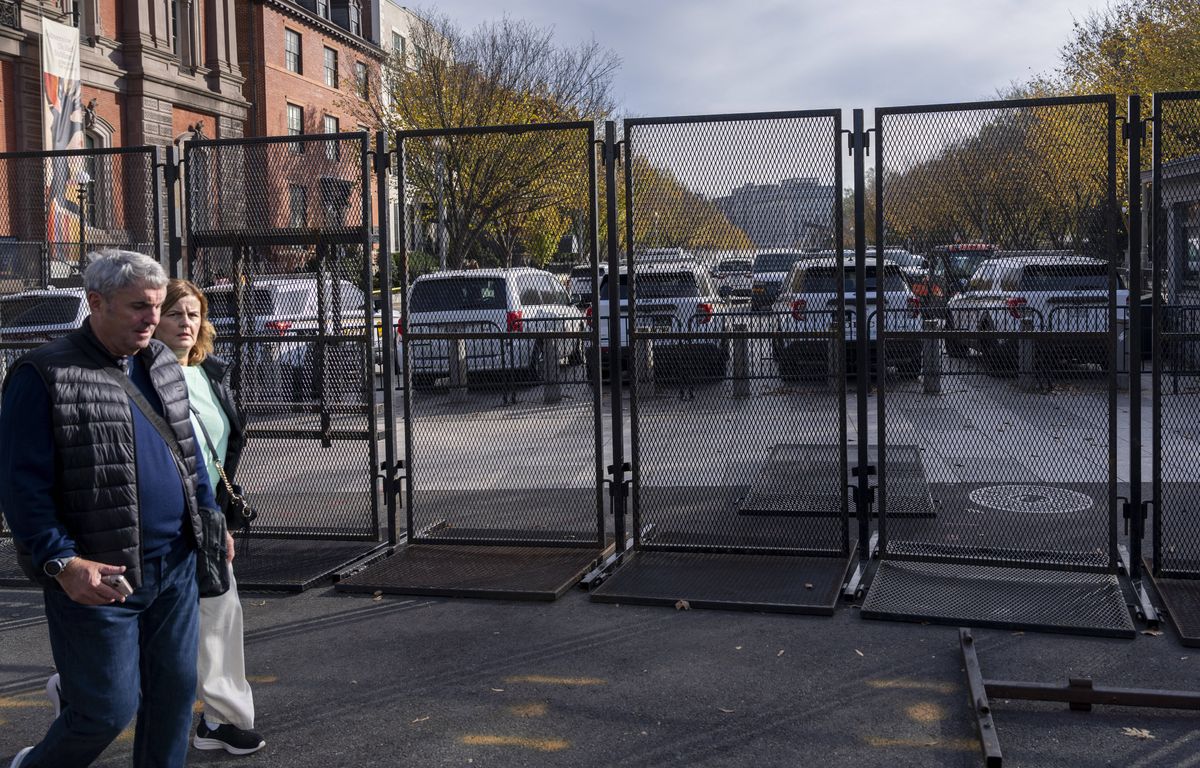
(135, 394)
(213, 450)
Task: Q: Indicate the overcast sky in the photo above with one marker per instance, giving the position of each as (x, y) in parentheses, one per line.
(711, 56)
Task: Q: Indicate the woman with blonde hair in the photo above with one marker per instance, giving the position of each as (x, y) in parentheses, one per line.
(228, 719)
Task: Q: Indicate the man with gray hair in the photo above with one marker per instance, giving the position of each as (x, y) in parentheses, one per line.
(103, 499)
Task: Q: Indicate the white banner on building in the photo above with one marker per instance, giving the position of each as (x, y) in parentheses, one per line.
(62, 107)
(62, 128)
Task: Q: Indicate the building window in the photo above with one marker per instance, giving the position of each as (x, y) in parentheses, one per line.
(291, 51)
(399, 45)
(331, 146)
(360, 79)
(420, 54)
(355, 18)
(331, 68)
(295, 126)
(323, 8)
(297, 206)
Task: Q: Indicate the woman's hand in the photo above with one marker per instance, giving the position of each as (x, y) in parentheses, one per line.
(228, 546)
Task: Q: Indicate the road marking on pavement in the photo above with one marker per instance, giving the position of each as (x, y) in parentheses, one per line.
(914, 685)
(926, 712)
(962, 745)
(24, 702)
(535, 709)
(550, 680)
(541, 745)
(264, 679)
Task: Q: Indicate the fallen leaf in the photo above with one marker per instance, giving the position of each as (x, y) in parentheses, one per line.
(683, 605)
(860, 653)
(738, 648)
(726, 711)
(1018, 633)
(377, 593)
(498, 690)
(421, 719)
(1137, 733)
(808, 585)
(258, 602)
(377, 598)
(779, 654)
(1152, 632)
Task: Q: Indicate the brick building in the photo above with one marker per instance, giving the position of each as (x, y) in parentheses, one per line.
(149, 69)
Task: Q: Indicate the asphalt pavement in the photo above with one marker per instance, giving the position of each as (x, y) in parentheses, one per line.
(348, 680)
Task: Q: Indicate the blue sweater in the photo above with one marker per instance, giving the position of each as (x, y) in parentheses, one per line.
(27, 472)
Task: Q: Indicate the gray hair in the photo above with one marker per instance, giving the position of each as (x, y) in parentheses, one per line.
(110, 271)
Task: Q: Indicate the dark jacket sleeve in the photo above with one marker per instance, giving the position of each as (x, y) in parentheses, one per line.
(218, 372)
(27, 468)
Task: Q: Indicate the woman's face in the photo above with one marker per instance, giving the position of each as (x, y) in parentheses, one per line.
(179, 326)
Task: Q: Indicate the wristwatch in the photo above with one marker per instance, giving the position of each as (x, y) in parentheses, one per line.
(55, 566)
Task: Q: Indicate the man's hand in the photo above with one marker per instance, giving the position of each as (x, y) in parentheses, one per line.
(81, 580)
(228, 546)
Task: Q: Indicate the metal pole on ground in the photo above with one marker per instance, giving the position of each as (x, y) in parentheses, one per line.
(741, 363)
(1026, 356)
(931, 362)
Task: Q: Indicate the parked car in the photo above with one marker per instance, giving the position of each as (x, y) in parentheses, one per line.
(914, 267)
(948, 270)
(30, 318)
(282, 314)
(808, 305)
(1051, 290)
(770, 269)
(514, 301)
(579, 284)
(676, 297)
(733, 278)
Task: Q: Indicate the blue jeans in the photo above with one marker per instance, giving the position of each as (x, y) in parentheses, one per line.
(126, 659)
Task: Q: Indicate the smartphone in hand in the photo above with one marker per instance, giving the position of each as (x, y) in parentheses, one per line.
(118, 582)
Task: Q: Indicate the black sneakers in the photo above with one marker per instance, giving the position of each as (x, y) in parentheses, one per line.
(230, 738)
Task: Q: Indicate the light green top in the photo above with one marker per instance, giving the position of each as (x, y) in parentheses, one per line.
(204, 401)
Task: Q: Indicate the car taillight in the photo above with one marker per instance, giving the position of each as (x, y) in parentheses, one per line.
(1016, 306)
(587, 315)
(799, 306)
(513, 321)
(704, 312)
(914, 306)
(279, 326)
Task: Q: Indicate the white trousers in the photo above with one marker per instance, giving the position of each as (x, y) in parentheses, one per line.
(221, 665)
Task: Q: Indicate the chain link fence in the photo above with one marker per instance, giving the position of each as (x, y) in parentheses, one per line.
(279, 239)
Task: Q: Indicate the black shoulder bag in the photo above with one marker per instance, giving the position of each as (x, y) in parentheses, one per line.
(238, 511)
(212, 569)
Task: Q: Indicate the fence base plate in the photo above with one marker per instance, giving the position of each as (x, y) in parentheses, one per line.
(11, 574)
(1002, 598)
(777, 583)
(1181, 597)
(451, 570)
(293, 565)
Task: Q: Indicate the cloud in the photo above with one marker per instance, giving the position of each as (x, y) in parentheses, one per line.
(712, 56)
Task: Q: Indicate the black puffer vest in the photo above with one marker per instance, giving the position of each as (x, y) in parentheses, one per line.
(95, 489)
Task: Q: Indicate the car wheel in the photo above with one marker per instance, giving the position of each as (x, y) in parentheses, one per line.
(535, 371)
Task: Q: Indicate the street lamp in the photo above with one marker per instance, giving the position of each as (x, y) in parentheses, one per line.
(83, 181)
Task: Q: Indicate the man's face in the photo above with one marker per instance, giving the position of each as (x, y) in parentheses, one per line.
(124, 322)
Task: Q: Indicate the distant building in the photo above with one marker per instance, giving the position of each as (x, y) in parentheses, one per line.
(795, 213)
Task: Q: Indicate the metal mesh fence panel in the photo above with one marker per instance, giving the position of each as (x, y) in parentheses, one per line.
(1176, 385)
(57, 209)
(279, 240)
(734, 354)
(997, 383)
(502, 408)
